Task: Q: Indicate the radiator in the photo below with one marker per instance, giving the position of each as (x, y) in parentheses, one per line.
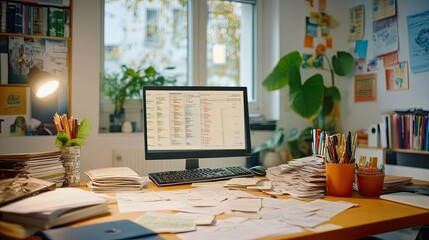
(134, 159)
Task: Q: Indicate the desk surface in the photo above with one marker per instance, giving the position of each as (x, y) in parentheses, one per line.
(373, 216)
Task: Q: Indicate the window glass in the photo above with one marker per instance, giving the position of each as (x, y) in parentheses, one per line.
(230, 44)
(144, 33)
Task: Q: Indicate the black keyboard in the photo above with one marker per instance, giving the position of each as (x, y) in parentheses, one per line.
(169, 178)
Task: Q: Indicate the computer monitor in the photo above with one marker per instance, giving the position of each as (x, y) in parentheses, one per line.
(193, 122)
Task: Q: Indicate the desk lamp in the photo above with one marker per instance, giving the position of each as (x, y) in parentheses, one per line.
(42, 83)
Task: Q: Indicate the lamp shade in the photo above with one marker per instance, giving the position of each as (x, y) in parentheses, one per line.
(42, 83)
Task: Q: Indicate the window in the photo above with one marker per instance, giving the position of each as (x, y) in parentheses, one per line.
(207, 42)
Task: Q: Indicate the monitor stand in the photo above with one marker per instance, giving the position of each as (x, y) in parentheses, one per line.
(192, 163)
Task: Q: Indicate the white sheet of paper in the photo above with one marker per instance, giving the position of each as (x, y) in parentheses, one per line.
(200, 219)
(245, 204)
(247, 230)
(139, 196)
(166, 223)
(134, 206)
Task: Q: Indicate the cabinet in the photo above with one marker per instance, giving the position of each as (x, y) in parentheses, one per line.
(35, 45)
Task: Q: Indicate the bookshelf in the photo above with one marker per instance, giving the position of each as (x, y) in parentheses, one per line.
(35, 36)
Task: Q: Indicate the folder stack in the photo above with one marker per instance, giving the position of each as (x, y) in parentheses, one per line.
(42, 165)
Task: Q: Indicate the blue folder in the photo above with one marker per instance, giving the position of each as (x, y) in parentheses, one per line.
(116, 230)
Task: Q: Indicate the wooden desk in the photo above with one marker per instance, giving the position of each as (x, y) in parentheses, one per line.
(373, 216)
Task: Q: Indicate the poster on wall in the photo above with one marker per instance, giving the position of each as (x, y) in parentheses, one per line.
(356, 28)
(365, 87)
(382, 9)
(385, 36)
(15, 110)
(418, 40)
(397, 76)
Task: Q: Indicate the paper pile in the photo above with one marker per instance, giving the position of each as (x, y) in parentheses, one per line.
(46, 166)
(114, 179)
(301, 178)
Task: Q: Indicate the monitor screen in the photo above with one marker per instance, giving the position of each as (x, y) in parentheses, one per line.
(195, 122)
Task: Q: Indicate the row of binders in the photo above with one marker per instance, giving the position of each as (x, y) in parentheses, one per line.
(405, 130)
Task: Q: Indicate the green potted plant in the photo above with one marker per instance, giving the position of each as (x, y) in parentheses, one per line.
(310, 99)
(128, 84)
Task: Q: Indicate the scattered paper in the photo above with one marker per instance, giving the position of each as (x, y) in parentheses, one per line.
(166, 223)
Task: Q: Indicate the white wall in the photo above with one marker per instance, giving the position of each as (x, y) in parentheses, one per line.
(362, 115)
(354, 116)
(98, 151)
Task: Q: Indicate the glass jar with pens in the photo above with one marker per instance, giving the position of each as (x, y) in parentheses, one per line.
(70, 138)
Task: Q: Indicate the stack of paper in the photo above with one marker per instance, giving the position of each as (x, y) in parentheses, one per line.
(114, 179)
(302, 177)
(42, 165)
(45, 210)
(394, 183)
(248, 183)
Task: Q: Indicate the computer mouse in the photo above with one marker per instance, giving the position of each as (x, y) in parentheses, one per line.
(258, 170)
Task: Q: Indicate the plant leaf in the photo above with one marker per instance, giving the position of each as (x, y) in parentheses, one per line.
(62, 139)
(83, 131)
(334, 93)
(342, 63)
(279, 77)
(306, 99)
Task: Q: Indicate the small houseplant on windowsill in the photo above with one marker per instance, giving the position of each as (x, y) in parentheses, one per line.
(128, 84)
(310, 99)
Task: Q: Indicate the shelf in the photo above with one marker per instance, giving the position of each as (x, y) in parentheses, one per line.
(409, 151)
(33, 36)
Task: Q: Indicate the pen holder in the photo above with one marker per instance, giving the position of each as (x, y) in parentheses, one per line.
(71, 162)
(339, 179)
(370, 185)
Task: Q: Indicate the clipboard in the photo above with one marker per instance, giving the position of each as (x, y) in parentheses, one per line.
(22, 186)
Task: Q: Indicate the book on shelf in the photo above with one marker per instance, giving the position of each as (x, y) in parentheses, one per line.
(10, 17)
(52, 18)
(56, 22)
(3, 16)
(405, 130)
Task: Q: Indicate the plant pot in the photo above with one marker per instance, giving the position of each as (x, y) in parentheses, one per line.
(370, 185)
(116, 120)
(271, 159)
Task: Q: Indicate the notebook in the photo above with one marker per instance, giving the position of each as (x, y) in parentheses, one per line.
(408, 198)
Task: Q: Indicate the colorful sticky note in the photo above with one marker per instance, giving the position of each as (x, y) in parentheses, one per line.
(329, 42)
(361, 48)
(308, 41)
